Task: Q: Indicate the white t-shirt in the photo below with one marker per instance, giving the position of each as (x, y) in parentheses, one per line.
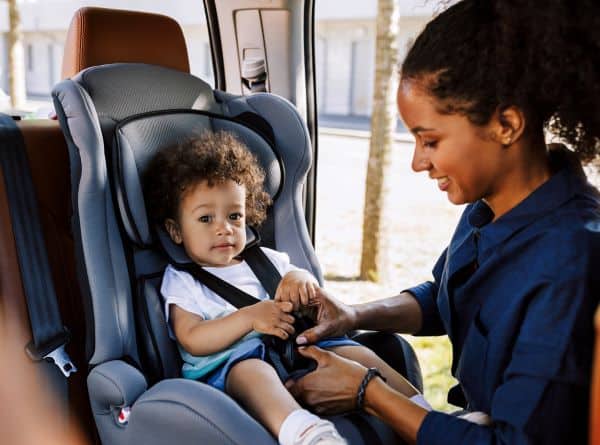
(180, 288)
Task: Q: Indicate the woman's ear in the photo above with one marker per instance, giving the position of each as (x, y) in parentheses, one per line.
(173, 230)
(510, 125)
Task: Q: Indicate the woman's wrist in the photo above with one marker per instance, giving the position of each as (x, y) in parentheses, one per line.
(370, 375)
(352, 317)
(372, 392)
(395, 409)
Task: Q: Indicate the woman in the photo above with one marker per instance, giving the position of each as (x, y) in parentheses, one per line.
(516, 288)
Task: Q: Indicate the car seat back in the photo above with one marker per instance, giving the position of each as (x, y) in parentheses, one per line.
(110, 115)
(115, 117)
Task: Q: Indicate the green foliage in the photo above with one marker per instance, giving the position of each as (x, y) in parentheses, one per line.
(435, 358)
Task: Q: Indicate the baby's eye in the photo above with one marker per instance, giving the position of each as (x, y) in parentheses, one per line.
(429, 144)
(236, 216)
(205, 218)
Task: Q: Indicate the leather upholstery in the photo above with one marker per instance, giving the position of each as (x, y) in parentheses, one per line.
(99, 35)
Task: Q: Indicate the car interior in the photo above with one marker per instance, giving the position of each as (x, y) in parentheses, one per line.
(82, 264)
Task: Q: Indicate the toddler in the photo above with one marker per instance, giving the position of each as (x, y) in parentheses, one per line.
(204, 192)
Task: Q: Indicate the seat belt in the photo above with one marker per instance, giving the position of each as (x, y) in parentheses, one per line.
(263, 268)
(281, 353)
(49, 335)
(259, 263)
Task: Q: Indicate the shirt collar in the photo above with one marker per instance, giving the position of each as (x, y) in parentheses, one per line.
(567, 181)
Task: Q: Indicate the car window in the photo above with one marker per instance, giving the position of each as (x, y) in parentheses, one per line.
(44, 25)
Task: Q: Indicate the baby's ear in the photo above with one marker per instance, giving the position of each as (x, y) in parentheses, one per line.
(172, 229)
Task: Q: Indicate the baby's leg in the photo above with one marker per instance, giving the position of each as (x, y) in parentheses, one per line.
(368, 358)
(255, 384)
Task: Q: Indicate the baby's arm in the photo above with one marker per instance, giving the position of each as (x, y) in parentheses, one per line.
(203, 337)
(298, 287)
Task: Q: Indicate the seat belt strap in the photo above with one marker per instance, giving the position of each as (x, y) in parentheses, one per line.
(266, 272)
(225, 290)
(263, 268)
(49, 335)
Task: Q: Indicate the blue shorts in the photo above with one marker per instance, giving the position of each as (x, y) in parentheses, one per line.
(255, 348)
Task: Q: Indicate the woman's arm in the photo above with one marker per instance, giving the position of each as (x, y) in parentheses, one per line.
(333, 388)
(411, 311)
(395, 409)
(203, 337)
(401, 313)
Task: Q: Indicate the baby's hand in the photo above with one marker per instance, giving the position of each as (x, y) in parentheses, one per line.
(272, 317)
(297, 287)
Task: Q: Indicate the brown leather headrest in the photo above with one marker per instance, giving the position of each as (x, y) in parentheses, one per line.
(99, 35)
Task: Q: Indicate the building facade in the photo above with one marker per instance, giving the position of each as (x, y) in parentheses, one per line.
(345, 44)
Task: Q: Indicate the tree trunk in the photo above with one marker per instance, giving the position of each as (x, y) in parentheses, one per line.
(374, 265)
(16, 65)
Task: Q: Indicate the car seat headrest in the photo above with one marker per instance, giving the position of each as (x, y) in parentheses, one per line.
(98, 36)
(138, 138)
(121, 90)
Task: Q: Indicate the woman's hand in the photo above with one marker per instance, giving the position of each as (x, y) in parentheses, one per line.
(333, 318)
(297, 287)
(271, 317)
(332, 387)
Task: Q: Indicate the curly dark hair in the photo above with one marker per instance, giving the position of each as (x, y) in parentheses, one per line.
(212, 157)
(542, 56)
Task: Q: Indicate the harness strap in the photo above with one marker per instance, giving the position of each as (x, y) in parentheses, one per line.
(263, 268)
(266, 272)
(228, 292)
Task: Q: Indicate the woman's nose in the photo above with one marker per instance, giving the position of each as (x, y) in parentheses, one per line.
(420, 160)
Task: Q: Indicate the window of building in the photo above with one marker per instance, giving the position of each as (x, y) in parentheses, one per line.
(30, 58)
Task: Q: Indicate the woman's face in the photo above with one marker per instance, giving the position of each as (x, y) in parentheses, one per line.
(465, 160)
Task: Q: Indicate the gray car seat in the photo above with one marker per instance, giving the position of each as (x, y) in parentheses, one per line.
(114, 118)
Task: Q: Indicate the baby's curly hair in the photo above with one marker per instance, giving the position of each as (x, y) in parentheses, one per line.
(211, 157)
(542, 56)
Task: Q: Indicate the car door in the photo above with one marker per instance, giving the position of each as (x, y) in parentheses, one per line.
(260, 45)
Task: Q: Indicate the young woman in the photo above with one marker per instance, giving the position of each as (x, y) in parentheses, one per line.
(517, 286)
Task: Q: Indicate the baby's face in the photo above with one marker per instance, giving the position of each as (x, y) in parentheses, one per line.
(212, 223)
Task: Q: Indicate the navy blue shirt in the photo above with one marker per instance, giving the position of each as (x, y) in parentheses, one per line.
(516, 297)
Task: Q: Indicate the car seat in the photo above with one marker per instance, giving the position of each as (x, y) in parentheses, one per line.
(115, 117)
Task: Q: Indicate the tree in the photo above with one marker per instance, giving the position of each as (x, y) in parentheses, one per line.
(383, 119)
(16, 65)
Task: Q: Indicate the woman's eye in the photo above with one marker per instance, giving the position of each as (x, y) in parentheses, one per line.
(205, 218)
(236, 216)
(429, 144)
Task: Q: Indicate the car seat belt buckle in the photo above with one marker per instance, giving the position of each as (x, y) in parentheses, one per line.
(57, 354)
(61, 359)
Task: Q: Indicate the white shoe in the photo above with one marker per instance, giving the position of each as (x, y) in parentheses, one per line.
(321, 432)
